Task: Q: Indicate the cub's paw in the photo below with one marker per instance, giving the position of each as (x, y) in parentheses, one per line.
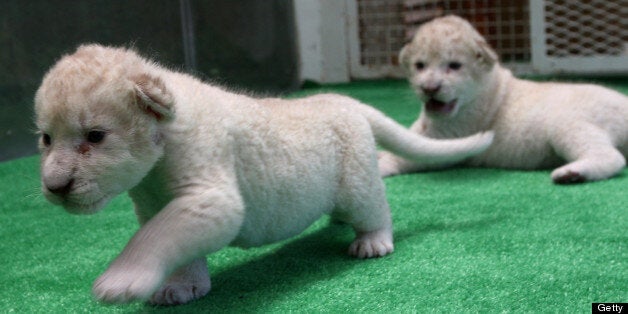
(189, 283)
(387, 165)
(372, 244)
(174, 293)
(567, 176)
(124, 285)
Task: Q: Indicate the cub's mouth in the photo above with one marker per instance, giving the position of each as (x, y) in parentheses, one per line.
(440, 107)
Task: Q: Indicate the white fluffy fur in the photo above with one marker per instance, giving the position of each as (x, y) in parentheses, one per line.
(537, 125)
(207, 168)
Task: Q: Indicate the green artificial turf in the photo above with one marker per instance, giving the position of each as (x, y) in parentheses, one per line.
(467, 240)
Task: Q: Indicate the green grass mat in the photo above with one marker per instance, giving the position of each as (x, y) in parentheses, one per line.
(467, 240)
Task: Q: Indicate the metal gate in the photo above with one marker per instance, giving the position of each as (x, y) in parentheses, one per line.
(585, 36)
(531, 37)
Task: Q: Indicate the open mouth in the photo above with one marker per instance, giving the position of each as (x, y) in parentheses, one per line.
(436, 106)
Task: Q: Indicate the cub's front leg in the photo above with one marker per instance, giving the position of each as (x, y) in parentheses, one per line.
(188, 228)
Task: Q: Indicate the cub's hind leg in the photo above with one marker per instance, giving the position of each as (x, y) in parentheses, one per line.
(590, 153)
(361, 202)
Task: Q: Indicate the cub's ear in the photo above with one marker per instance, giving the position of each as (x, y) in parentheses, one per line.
(403, 55)
(404, 58)
(486, 54)
(153, 97)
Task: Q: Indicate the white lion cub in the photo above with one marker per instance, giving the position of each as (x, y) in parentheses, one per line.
(537, 125)
(208, 168)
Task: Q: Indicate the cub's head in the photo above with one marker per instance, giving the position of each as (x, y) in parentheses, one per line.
(445, 63)
(99, 112)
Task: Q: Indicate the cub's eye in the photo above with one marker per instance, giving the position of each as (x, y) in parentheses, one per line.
(455, 65)
(419, 65)
(46, 139)
(95, 137)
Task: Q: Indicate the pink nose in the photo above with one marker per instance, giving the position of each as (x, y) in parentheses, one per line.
(430, 89)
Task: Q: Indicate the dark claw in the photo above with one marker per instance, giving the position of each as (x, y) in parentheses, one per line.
(570, 178)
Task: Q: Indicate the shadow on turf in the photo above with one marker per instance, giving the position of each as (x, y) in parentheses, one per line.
(301, 262)
(420, 229)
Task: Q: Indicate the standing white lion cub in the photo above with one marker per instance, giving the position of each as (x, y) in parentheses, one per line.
(208, 168)
(537, 125)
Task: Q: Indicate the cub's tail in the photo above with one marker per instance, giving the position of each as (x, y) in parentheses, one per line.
(412, 146)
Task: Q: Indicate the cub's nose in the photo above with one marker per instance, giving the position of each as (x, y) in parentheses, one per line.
(430, 90)
(61, 188)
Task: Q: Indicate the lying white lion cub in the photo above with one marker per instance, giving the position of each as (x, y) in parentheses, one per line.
(208, 168)
(537, 125)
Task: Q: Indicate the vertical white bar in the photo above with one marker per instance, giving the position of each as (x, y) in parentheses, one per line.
(187, 32)
(322, 40)
(353, 35)
(540, 62)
